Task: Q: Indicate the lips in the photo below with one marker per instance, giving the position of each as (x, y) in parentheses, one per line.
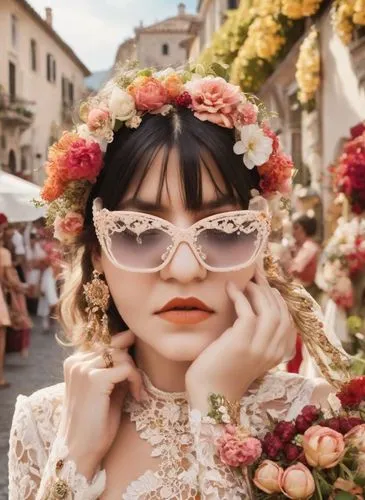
(185, 311)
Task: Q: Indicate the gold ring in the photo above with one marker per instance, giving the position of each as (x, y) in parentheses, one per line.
(108, 360)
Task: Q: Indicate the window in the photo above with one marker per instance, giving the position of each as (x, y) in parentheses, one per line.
(14, 30)
(12, 81)
(33, 54)
(71, 93)
(64, 90)
(165, 49)
(232, 4)
(51, 68)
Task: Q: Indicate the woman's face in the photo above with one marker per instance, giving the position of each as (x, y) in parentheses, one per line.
(138, 296)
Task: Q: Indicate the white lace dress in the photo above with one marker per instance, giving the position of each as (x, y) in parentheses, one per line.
(183, 446)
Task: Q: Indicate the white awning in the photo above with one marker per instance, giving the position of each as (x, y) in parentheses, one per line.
(16, 197)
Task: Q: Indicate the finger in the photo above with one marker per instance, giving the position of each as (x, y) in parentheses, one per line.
(118, 356)
(123, 340)
(119, 373)
(241, 303)
(258, 299)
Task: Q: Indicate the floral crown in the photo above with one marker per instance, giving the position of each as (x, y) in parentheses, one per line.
(76, 159)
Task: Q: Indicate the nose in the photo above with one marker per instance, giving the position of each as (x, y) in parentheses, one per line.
(183, 266)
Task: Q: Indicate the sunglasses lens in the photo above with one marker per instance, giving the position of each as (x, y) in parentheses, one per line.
(223, 249)
(142, 250)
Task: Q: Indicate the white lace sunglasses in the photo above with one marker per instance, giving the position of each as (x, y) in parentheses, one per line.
(144, 243)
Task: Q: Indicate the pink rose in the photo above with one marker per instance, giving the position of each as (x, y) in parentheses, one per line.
(235, 450)
(149, 94)
(356, 437)
(83, 160)
(97, 118)
(268, 477)
(67, 228)
(246, 113)
(297, 482)
(215, 100)
(323, 447)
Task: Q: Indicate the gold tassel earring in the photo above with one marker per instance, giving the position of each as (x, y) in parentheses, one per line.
(97, 296)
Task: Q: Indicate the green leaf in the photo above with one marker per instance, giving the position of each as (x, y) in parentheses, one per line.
(343, 495)
(220, 70)
(360, 480)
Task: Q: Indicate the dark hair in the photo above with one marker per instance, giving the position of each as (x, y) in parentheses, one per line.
(133, 151)
(309, 224)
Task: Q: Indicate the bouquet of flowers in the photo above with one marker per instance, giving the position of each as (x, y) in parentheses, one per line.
(342, 260)
(320, 455)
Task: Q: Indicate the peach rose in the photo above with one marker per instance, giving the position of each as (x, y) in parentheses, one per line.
(247, 113)
(97, 118)
(67, 228)
(214, 100)
(149, 93)
(173, 85)
(323, 447)
(268, 477)
(297, 482)
(356, 437)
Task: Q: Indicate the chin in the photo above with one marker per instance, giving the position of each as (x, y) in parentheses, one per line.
(183, 346)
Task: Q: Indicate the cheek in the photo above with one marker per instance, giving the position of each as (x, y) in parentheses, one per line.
(241, 278)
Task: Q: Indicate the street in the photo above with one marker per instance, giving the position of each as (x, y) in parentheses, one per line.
(42, 368)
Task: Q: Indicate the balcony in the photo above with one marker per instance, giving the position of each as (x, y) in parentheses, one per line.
(15, 112)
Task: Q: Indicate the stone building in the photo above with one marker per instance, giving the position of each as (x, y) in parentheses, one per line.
(41, 78)
(161, 44)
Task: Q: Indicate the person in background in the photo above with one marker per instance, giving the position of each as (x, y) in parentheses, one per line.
(19, 250)
(21, 323)
(303, 267)
(306, 252)
(4, 313)
(48, 289)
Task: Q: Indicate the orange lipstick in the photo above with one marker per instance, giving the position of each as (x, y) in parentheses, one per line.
(185, 311)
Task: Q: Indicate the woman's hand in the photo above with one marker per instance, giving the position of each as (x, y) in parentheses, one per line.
(261, 336)
(94, 396)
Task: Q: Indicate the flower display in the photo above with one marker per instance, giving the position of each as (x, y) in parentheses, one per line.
(346, 15)
(349, 172)
(297, 9)
(237, 448)
(343, 259)
(76, 159)
(308, 69)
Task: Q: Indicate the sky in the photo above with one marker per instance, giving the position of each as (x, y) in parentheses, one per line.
(95, 28)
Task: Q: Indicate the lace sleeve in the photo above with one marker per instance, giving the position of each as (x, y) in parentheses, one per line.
(32, 470)
(216, 480)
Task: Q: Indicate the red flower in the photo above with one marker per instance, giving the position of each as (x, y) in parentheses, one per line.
(302, 424)
(83, 160)
(272, 445)
(352, 393)
(285, 431)
(292, 452)
(184, 100)
(310, 413)
(346, 424)
(332, 423)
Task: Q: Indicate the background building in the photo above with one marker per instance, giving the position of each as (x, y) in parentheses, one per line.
(41, 78)
(161, 44)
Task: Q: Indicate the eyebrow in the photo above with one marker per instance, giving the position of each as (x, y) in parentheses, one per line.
(148, 206)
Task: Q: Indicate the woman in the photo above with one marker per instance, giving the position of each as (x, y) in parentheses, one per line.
(4, 313)
(169, 261)
(306, 254)
(21, 323)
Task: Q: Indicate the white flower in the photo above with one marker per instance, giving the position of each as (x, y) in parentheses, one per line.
(84, 132)
(226, 419)
(121, 105)
(255, 146)
(134, 122)
(222, 409)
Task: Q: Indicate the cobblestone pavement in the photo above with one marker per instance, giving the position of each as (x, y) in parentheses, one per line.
(42, 368)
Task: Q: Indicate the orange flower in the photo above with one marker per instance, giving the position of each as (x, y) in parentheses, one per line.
(52, 189)
(61, 147)
(174, 86)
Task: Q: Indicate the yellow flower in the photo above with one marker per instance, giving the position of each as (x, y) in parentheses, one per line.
(308, 68)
